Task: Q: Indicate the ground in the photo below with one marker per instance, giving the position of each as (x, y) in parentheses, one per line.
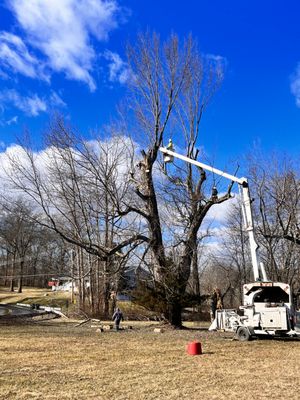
(45, 297)
(57, 360)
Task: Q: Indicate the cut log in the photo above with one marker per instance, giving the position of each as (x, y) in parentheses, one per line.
(107, 327)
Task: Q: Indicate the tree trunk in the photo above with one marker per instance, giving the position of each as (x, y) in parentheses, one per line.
(195, 273)
(20, 286)
(72, 273)
(106, 285)
(98, 286)
(174, 313)
(13, 264)
(6, 270)
(34, 271)
(106, 304)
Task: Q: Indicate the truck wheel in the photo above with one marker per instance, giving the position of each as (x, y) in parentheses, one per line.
(243, 334)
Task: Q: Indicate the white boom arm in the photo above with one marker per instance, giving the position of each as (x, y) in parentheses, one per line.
(246, 207)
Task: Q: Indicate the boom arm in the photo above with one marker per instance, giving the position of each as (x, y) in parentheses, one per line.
(246, 207)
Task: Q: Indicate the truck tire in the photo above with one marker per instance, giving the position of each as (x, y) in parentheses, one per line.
(243, 334)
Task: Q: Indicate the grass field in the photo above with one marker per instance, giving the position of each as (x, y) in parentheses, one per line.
(56, 360)
(45, 297)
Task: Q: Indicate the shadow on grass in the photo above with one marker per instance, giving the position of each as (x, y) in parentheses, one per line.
(195, 328)
(280, 338)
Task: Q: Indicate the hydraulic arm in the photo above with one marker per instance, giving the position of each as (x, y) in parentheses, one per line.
(169, 154)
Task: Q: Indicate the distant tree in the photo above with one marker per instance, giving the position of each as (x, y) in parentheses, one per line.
(276, 188)
(17, 235)
(275, 193)
(230, 264)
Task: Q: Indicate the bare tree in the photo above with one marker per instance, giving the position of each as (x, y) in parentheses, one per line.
(171, 81)
(232, 258)
(75, 185)
(31, 253)
(67, 184)
(18, 235)
(277, 192)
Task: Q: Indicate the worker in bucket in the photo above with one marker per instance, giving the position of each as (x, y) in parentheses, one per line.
(117, 318)
(216, 303)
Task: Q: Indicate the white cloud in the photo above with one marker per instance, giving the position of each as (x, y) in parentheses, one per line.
(99, 16)
(5, 170)
(56, 100)
(30, 105)
(116, 149)
(8, 122)
(15, 56)
(118, 69)
(219, 63)
(216, 58)
(218, 213)
(62, 30)
(295, 85)
(13, 120)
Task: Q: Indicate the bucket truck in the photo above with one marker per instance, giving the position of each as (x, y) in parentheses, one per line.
(268, 307)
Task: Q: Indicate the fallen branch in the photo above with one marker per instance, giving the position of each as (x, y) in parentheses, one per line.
(83, 322)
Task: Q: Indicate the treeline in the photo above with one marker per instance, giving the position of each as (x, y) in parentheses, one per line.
(275, 191)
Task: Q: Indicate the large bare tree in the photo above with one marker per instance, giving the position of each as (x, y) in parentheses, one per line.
(172, 85)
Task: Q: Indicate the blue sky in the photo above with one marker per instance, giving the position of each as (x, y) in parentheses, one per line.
(68, 55)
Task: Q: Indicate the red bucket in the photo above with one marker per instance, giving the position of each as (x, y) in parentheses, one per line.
(194, 348)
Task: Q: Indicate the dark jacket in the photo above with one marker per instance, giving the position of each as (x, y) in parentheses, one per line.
(118, 316)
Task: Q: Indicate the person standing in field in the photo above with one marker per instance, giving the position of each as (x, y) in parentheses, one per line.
(219, 299)
(117, 318)
(216, 303)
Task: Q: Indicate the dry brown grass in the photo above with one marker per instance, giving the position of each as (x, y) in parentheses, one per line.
(6, 296)
(45, 297)
(57, 361)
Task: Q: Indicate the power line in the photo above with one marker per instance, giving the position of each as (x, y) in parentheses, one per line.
(27, 276)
